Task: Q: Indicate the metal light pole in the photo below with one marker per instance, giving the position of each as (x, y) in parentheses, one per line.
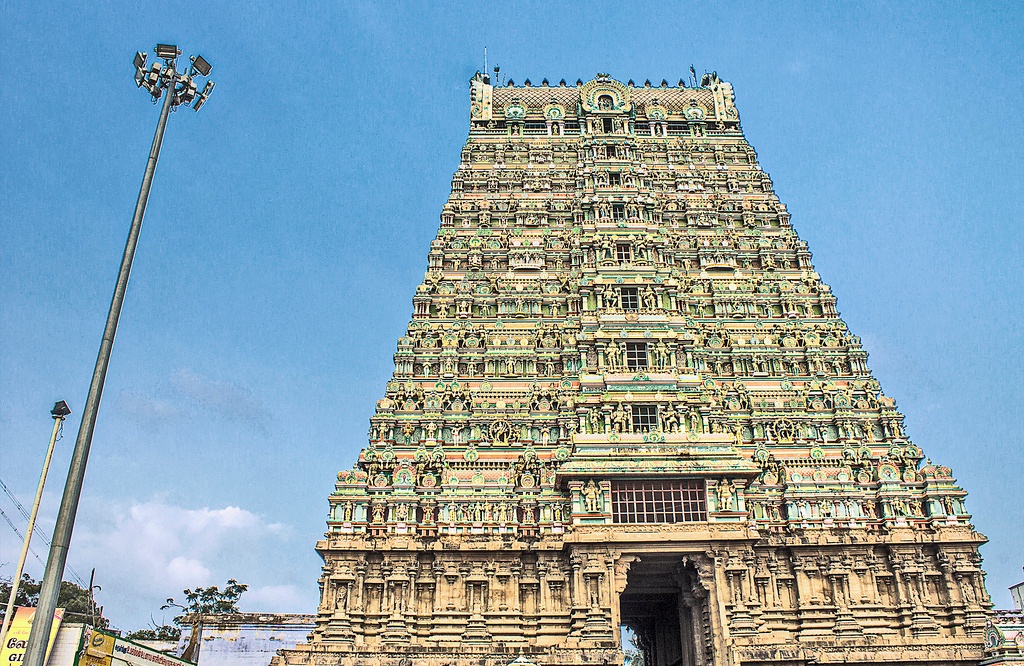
(59, 412)
(179, 89)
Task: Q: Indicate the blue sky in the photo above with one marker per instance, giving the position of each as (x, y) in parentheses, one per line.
(291, 218)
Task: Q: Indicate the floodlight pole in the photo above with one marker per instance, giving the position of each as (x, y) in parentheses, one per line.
(35, 653)
(59, 412)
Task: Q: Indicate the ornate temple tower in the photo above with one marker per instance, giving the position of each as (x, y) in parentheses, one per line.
(626, 399)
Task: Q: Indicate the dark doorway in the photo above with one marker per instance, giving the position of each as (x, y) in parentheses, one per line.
(664, 609)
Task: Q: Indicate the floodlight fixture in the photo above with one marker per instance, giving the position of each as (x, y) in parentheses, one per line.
(140, 68)
(167, 51)
(205, 95)
(186, 91)
(200, 65)
(60, 410)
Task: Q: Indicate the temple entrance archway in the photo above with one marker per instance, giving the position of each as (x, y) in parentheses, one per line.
(665, 609)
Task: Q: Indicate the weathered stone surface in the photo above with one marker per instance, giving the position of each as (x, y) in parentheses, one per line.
(626, 397)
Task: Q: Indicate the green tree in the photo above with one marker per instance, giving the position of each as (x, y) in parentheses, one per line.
(198, 602)
(75, 601)
(166, 632)
(206, 600)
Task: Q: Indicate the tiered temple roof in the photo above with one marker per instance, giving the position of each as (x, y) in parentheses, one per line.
(621, 359)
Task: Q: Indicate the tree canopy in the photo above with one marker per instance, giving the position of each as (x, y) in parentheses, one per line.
(75, 601)
(206, 600)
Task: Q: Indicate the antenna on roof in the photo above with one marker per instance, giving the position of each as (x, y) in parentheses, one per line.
(485, 61)
(693, 73)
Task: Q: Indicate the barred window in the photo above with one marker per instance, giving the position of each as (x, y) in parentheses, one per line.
(619, 212)
(615, 179)
(659, 501)
(630, 298)
(636, 355)
(623, 251)
(645, 418)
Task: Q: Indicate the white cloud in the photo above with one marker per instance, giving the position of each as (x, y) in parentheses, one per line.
(150, 551)
(184, 571)
(278, 599)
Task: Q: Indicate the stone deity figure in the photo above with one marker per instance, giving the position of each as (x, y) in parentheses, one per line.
(612, 356)
(694, 421)
(341, 601)
(726, 495)
(591, 497)
(670, 417)
(649, 298)
(378, 513)
(620, 421)
(662, 354)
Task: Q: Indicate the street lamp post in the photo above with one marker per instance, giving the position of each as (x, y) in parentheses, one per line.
(178, 89)
(59, 412)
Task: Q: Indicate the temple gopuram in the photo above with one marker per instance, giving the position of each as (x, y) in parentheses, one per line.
(626, 405)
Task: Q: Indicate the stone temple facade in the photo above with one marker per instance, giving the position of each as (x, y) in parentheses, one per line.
(626, 399)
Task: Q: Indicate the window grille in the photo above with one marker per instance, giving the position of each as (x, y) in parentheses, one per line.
(615, 179)
(644, 418)
(659, 501)
(636, 359)
(619, 212)
(630, 298)
(623, 252)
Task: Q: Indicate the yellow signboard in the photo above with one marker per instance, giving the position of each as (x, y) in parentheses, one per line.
(103, 649)
(98, 649)
(13, 650)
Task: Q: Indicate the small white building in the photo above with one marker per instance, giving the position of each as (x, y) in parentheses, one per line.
(242, 639)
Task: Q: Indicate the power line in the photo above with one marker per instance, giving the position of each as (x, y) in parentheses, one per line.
(20, 535)
(36, 532)
(14, 499)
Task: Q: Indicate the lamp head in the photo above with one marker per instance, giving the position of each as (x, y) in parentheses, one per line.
(203, 96)
(167, 51)
(60, 410)
(200, 65)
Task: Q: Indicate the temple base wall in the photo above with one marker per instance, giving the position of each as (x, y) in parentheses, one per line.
(825, 598)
